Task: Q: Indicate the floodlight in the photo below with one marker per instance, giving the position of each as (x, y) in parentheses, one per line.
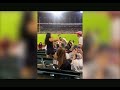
(81, 11)
(57, 14)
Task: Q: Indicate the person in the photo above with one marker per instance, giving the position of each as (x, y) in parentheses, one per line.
(79, 50)
(40, 45)
(49, 43)
(88, 48)
(25, 47)
(60, 38)
(4, 46)
(79, 34)
(64, 42)
(59, 43)
(67, 49)
(67, 53)
(100, 67)
(62, 62)
(77, 59)
(69, 44)
(74, 54)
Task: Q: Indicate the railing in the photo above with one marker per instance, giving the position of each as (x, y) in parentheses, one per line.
(60, 23)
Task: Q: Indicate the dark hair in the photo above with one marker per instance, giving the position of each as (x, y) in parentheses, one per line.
(60, 38)
(29, 39)
(27, 17)
(66, 48)
(40, 43)
(74, 47)
(48, 35)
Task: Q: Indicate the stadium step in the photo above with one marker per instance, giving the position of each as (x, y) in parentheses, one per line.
(40, 51)
(41, 54)
(60, 73)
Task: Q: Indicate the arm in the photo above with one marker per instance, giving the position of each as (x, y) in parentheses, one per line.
(74, 54)
(53, 40)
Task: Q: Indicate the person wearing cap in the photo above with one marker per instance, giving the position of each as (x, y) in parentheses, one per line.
(79, 35)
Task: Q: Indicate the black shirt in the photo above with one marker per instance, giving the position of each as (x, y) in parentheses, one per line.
(50, 45)
(66, 65)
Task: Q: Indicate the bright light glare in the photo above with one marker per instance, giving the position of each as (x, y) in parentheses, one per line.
(57, 14)
(81, 11)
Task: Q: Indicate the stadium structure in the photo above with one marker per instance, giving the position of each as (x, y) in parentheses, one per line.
(59, 21)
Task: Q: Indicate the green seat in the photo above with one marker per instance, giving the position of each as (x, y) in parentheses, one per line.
(9, 68)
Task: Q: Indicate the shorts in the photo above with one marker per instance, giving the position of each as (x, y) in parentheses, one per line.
(50, 52)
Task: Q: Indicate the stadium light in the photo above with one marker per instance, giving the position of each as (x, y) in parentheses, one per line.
(81, 11)
(57, 14)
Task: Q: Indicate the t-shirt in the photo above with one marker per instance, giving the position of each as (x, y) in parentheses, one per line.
(81, 40)
(77, 65)
(78, 55)
(66, 65)
(67, 56)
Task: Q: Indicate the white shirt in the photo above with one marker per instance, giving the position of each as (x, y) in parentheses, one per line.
(67, 56)
(81, 40)
(76, 65)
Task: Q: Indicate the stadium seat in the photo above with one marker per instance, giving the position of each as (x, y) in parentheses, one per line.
(59, 74)
(47, 62)
(39, 51)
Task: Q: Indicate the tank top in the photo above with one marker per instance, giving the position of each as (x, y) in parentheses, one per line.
(50, 45)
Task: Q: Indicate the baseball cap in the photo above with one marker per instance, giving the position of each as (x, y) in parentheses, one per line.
(79, 32)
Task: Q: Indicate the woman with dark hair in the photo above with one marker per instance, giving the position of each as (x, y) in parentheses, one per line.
(28, 35)
(49, 42)
(25, 47)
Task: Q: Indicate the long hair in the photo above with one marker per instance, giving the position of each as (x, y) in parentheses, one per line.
(48, 35)
(30, 39)
(27, 17)
(61, 56)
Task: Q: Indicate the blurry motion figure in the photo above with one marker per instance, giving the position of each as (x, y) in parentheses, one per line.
(115, 34)
(89, 47)
(99, 67)
(69, 45)
(28, 35)
(8, 64)
(25, 48)
(4, 47)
